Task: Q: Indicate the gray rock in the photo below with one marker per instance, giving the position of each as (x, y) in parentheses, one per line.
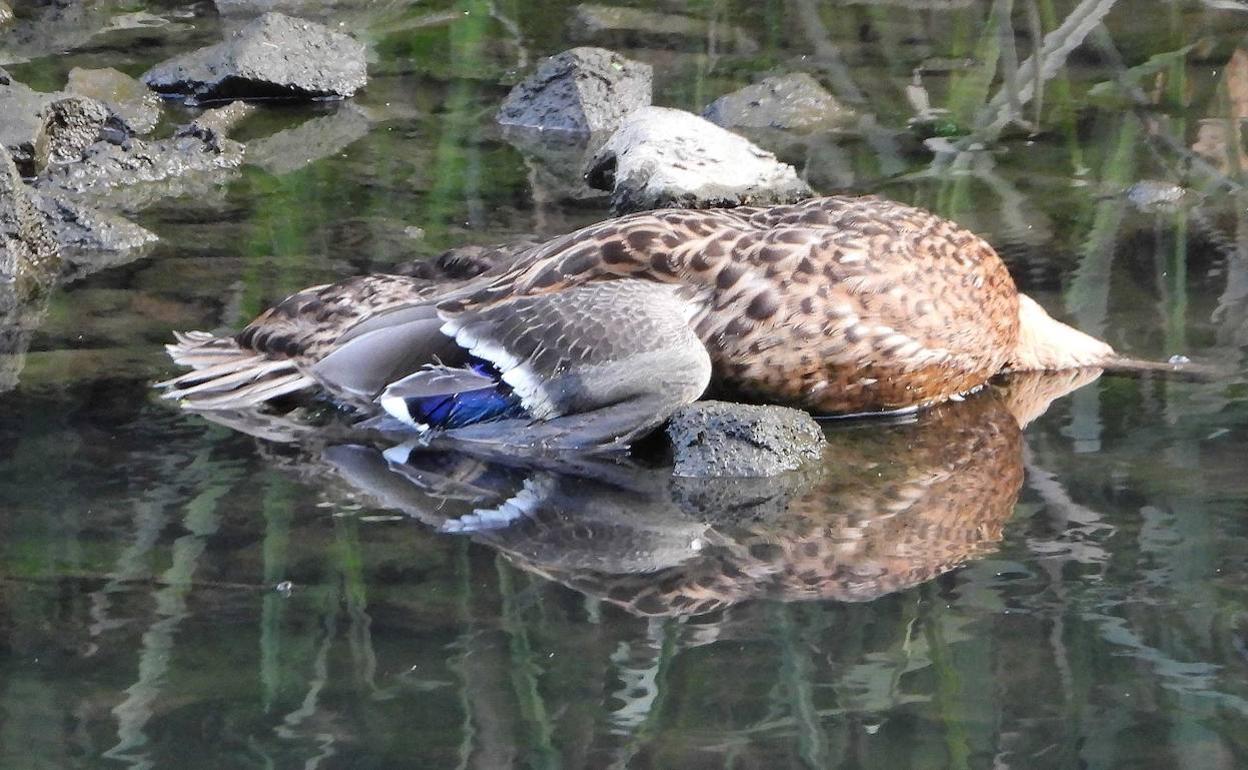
(6, 14)
(22, 112)
(137, 106)
(731, 500)
(795, 102)
(59, 27)
(194, 157)
(557, 162)
(292, 149)
(273, 56)
(580, 91)
(721, 439)
(78, 229)
(660, 157)
(1151, 196)
(29, 257)
(620, 27)
(71, 125)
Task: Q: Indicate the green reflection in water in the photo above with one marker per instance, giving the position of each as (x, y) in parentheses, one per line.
(139, 548)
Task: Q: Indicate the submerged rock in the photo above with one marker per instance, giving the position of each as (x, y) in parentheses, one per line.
(80, 228)
(292, 149)
(795, 102)
(557, 162)
(717, 438)
(29, 257)
(137, 106)
(1150, 195)
(660, 157)
(621, 27)
(273, 56)
(581, 91)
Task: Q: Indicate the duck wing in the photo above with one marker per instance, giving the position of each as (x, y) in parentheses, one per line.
(591, 366)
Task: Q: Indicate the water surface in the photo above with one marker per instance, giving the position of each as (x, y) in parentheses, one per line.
(948, 592)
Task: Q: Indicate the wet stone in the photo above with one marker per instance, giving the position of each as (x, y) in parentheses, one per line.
(196, 156)
(795, 102)
(137, 106)
(713, 439)
(1151, 195)
(79, 228)
(22, 111)
(557, 161)
(273, 56)
(6, 14)
(29, 257)
(580, 91)
(661, 157)
(319, 137)
(73, 124)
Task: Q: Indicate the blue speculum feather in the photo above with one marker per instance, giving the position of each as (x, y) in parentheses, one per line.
(456, 410)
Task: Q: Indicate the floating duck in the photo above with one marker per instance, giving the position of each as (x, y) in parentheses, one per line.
(839, 305)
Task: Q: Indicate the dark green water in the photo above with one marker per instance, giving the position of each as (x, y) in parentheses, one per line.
(176, 594)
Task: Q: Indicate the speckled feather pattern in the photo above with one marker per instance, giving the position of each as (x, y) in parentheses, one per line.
(837, 305)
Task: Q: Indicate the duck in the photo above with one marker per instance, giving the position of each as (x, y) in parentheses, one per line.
(837, 305)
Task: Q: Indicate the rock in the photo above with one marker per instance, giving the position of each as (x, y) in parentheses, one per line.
(29, 258)
(213, 125)
(71, 125)
(557, 162)
(620, 27)
(581, 91)
(292, 149)
(178, 165)
(385, 16)
(273, 56)
(22, 111)
(717, 438)
(660, 157)
(79, 228)
(1153, 196)
(795, 102)
(137, 106)
(97, 28)
(733, 501)
(6, 14)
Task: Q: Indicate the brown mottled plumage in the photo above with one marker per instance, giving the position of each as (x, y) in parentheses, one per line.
(837, 305)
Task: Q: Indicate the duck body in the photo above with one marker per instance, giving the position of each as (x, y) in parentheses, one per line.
(837, 305)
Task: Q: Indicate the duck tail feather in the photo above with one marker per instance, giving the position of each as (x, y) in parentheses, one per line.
(225, 376)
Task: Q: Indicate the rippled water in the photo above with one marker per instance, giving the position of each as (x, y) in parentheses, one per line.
(947, 592)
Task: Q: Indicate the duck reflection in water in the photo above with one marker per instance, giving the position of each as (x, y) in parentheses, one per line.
(887, 508)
